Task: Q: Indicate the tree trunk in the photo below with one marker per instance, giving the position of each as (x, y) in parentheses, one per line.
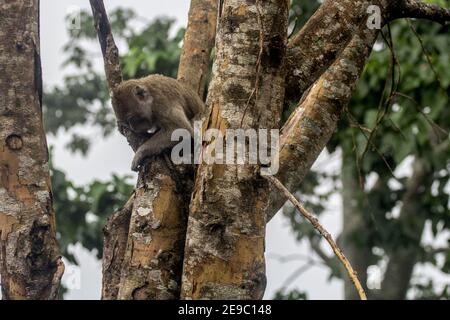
(30, 264)
(224, 254)
(402, 259)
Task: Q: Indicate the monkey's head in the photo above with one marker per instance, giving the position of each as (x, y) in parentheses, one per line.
(134, 106)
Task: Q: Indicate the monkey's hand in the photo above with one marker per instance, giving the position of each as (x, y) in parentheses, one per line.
(138, 160)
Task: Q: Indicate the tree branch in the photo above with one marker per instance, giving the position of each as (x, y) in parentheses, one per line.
(420, 10)
(112, 66)
(224, 254)
(109, 49)
(319, 43)
(144, 243)
(197, 45)
(312, 124)
(324, 233)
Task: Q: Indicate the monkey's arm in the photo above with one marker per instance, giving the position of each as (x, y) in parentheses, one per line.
(162, 139)
(152, 147)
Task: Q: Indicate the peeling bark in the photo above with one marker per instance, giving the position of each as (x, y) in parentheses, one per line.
(224, 254)
(30, 262)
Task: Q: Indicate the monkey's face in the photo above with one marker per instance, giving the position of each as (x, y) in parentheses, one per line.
(134, 107)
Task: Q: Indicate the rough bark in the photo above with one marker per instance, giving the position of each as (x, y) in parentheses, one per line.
(226, 230)
(30, 262)
(115, 244)
(151, 268)
(318, 44)
(313, 50)
(224, 254)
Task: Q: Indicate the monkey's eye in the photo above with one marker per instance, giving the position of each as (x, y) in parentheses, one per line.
(139, 124)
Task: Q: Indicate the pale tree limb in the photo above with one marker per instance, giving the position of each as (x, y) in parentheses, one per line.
(198, 41)
(318, 44)
(324, 233)
(312, 124)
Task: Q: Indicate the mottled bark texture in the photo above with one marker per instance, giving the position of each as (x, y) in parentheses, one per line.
(224, 254)
(115, 244)
(225, 237)
(151, 267)
(198, 41)
(312, 124)
(153, 261)
(318, 44)
(30, 264)
(421, 10)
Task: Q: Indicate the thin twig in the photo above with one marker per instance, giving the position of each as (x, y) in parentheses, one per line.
(323, 232)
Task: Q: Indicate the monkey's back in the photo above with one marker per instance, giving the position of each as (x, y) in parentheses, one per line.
(167, 91)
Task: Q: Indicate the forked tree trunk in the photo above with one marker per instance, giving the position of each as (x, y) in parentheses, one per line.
(30, 264)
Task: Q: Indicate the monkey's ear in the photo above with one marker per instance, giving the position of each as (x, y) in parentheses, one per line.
(141, 93)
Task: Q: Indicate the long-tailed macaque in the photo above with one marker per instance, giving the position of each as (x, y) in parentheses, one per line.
(156, 105)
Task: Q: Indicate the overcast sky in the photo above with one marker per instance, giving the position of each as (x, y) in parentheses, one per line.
(114, 156)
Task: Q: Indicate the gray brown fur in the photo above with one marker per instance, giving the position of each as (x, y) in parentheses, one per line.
(155, 101)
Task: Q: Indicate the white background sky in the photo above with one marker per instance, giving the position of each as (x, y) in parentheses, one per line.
(114, 156)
